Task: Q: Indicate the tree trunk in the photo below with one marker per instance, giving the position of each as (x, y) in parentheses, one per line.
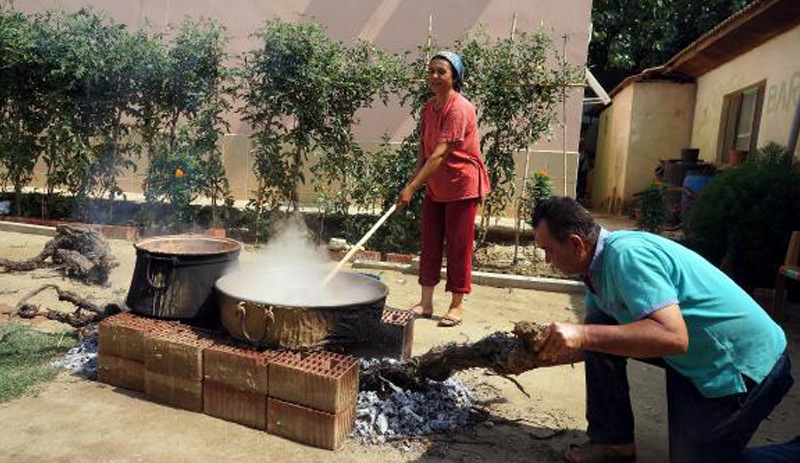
(18, 198)
(298, 172)
(502, 352)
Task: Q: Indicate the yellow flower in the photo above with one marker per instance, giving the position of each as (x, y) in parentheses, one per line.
(179, 172)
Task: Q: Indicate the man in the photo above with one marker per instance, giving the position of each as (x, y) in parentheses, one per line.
(651, 299)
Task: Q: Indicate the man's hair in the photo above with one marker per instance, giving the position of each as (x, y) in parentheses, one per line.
(566, 217)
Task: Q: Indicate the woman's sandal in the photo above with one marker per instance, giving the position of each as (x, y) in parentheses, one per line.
(448, 321)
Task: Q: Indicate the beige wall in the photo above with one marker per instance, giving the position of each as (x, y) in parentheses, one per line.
(777, 62)
(613, 140)
(647, 122)
(661, 125)
(395, 25)
(654, 120)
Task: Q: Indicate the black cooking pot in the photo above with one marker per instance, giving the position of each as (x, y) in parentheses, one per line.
(265, 320)
(174, 276)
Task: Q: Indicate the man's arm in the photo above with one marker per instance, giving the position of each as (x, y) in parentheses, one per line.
(662, 333)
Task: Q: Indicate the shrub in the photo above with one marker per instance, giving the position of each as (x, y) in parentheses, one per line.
(744, 218)
(537, 189)
(654, 212)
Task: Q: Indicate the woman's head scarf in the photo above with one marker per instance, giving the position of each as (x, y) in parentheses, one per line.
(458, 67)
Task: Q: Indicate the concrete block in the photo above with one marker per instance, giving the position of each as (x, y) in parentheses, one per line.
(375, 265)
(337, 254)
(524, 282)
(231, 404)
(309, 426)
(320, 380)
(30, 229)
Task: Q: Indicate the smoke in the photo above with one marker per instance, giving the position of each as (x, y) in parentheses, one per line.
(289, 271)
(292, 250)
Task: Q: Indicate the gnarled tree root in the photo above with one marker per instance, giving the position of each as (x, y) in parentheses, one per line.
(501, 352)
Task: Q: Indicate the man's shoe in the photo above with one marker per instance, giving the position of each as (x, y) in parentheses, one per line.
(595, 452)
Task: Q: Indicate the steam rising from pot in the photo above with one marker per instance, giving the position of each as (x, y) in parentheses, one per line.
(289, 270)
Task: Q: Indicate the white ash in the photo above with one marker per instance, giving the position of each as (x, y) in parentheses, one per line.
(81, 359)
(396, 413)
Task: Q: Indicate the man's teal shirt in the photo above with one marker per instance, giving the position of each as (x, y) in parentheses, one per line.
(634, 274)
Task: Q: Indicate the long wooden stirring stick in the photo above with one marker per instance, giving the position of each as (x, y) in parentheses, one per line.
(357, 246)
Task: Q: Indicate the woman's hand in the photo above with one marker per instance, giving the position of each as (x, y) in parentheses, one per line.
(405, 197)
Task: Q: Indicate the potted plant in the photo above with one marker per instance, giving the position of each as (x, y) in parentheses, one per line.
(736, 157)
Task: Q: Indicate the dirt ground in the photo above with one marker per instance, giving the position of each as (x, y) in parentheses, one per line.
(72, 419)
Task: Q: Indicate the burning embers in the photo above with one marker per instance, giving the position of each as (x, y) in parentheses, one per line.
(389, 411)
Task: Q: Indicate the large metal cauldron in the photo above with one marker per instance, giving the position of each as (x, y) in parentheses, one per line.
(174, 276)
(270, 322)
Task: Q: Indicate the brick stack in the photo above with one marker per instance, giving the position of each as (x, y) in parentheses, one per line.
(236, 383)
(312, 397)
(173, 366)
(307, 397)
(121, 353)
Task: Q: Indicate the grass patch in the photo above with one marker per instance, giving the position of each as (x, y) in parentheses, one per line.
(25, 356)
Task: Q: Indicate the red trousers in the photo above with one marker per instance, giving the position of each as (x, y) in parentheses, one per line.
(453, 223)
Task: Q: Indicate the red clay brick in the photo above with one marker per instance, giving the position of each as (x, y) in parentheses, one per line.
(122, 335)
(320, 380)
(238, 366)
(174, 391)
(231, 404)
(120, 372)
(397, 333)
(368, 255)
(215, 232)
(117, 232)
(313, 427)
(176, 351)
(399, 258)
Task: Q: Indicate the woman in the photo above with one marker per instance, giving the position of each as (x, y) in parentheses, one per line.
(451, 165)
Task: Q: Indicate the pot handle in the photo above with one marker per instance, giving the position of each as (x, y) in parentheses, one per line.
(269, 317)
(149, 272)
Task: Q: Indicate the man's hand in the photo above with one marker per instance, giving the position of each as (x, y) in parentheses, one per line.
(560, 339)
(405, 197)
(662, 333)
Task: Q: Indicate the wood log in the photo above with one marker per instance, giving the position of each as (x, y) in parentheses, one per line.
(77, 319)
(77, 252)
(501, 352)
